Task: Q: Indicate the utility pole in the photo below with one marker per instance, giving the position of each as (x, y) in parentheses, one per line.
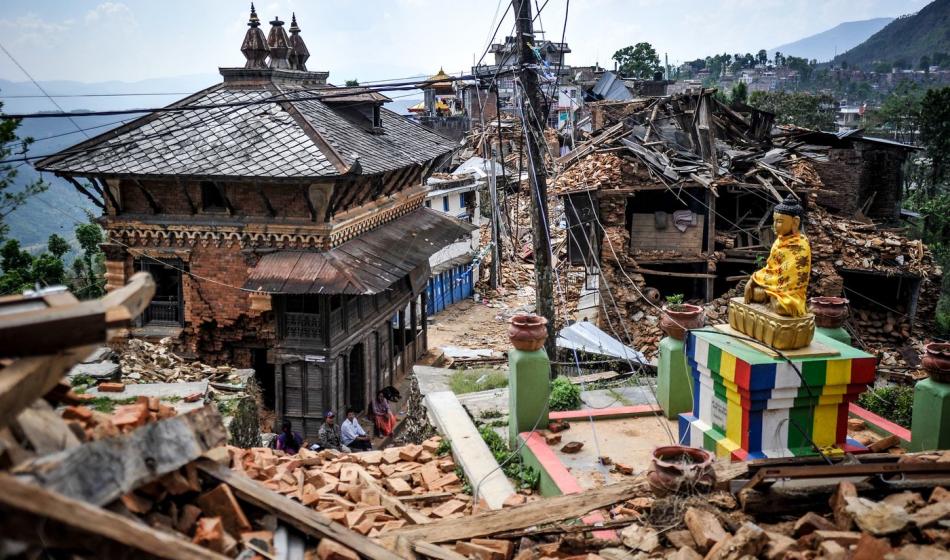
(533, 98)
(494, 276)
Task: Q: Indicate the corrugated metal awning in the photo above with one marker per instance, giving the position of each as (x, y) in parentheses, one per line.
(367, 265)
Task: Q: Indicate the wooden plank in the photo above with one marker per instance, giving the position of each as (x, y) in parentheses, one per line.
(676, 274)
(438, 552)
(294, 514)
(28, 379)
(17, 496)
(393, 505)
(50, 329)
(101, 471)
(767, 474)
(542, 511)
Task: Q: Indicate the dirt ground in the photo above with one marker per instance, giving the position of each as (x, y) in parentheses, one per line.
(484, 324)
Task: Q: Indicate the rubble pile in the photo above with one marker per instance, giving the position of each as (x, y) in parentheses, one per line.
(144, 362)
(370, 492)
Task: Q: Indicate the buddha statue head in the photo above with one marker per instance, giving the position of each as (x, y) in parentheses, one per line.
(787, 217)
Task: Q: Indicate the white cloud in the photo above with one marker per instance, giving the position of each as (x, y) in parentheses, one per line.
(111, 12)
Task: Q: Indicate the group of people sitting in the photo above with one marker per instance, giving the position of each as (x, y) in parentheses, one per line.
(349, 436)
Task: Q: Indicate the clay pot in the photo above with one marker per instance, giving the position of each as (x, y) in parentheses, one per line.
(679, 469)
(527, 331)
(937, 361)
(675, 323)
(830, 312)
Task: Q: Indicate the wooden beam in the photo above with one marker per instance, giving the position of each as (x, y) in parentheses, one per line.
(18, 497)
(107, 189)
(293, 513)
(28, 379)
(435, 551)
(101, 471)
(270, 207)
(79, 187)
(192, 207)
(152, 203)
(542, 511)
(674, 274)
(49, 329)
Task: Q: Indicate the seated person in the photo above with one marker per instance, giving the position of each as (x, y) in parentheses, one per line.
(383, 418)
(288, 440)
(352, 434)
(784, 279)
(329, 435)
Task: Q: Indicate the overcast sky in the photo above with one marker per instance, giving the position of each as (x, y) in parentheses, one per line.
(132, 40)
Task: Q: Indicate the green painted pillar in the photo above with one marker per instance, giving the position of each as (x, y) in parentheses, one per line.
(529, 386)
(674, 384)
(930, 424)
(838, 334)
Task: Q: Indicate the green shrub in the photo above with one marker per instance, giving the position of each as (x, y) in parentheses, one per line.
(472, 380)
(894, 403)
(564, 395)
(525, 476)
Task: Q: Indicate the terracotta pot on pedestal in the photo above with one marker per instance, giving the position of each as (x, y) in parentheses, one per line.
(677, 468)
(684, 316)
(527, 331)
(937, 361)
(830, 312)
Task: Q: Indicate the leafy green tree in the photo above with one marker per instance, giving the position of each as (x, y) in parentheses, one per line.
(22, 271)
(352, 83)
(935, 134)
(11, 145)
(740, 93)
(762, 57)
(779, 59)
(57, 246)
(638, 61)
(89, 268)
(797, 108)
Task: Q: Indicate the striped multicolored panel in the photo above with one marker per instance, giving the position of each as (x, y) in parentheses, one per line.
(748, 405)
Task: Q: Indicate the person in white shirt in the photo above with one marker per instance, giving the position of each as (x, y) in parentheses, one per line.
(352, 434)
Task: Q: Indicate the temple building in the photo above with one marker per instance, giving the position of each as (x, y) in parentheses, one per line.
(283, 221)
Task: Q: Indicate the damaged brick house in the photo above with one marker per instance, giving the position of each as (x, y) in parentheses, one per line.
(673, 195)
(283, 222)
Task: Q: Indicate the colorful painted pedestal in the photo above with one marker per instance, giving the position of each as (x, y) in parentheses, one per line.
(930, 423)
(750, 405)
(674, 391)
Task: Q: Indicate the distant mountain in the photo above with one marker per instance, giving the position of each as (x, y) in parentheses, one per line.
(906, 39)
(825, 45)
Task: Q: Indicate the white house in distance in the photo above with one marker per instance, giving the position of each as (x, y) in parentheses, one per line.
(454, 267)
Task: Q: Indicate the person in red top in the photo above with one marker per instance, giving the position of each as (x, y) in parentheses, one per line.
(383, 417)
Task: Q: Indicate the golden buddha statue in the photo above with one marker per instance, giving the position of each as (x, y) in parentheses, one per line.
(773, 309)
(784, 280)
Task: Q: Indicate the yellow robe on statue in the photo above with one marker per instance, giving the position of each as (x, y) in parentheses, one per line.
(785, 276)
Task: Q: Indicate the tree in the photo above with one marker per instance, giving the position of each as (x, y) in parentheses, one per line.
(740, 93)
(924, 64)
(88, 269)
(22, 271)
(352, 83)
(10, 144)
(762, 57)
(797, 108)
(779, 59)
(638, 61)
(935, 134)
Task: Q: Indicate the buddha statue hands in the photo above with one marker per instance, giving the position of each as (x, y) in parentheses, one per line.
(783, 282)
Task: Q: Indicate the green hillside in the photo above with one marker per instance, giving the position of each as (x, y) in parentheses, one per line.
(905, 40)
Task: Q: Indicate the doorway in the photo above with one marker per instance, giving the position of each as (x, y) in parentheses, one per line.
(264, 375)
(356, 383)
(166, 307)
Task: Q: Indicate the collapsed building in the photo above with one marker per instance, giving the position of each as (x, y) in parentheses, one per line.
(674, 195)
